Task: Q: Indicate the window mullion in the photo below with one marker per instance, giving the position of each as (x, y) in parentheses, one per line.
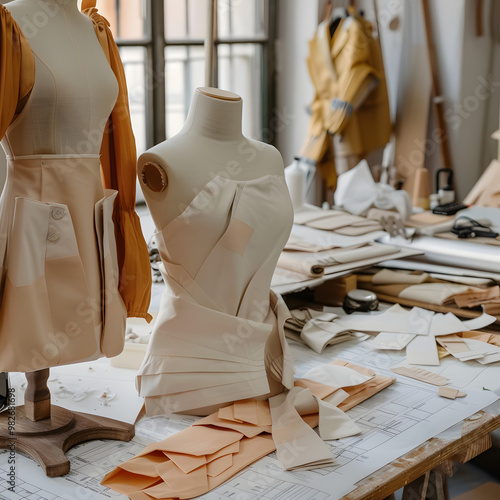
(269, 68)
(156, 82)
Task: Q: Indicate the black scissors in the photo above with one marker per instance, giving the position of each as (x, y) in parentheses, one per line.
(466, 227)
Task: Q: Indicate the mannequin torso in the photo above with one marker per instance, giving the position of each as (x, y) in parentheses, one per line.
(75, 88)
(223, 214)
(209, 145)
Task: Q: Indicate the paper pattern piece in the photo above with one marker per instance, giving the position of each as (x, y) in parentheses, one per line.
(396, 319)
(433, 293)
(421, 374)
(315, 263)
(391, 341)
(422, 351)
(334, 221)
(291, 432)
(477, 298)
(482, 347)
(453, 344)
(390, 277)
(337, 376)
(316, 329)
(329, 239)
(451, 393)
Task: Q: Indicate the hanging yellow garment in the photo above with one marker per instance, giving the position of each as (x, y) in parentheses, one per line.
(118, 162)
(340, 68)
(17, 69)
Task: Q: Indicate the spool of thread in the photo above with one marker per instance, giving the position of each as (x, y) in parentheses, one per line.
(295, 180)
(433, 200)
(421, 189)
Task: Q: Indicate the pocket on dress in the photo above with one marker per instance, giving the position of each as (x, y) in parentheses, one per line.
(114, 313)
(45, 291)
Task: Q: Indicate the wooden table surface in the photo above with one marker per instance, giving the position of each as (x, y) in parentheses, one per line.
(476, 438)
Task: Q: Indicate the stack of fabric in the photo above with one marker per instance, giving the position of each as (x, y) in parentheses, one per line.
(434, 289)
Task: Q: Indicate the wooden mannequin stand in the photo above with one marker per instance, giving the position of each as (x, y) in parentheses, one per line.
(45, 432)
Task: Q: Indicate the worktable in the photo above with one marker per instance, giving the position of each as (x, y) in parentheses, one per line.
(430, 464)
(265, 479)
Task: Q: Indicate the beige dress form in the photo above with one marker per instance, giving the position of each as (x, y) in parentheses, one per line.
(59, 297)
(219, 334)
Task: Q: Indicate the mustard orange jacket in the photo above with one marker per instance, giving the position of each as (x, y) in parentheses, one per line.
(339, 68)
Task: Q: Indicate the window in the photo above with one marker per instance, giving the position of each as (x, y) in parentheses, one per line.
(162, 47)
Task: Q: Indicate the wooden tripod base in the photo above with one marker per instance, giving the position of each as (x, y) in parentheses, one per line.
(47, 440)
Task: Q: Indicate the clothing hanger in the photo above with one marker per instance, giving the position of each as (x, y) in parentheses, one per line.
(338, 14)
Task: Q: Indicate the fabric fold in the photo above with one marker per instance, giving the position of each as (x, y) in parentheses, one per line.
(212, 345)
(215, 448)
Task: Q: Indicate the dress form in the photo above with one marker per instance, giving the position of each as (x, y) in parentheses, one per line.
(75, 89)
(210, 143)
(74, 93)
(191, 174)
(66, 113)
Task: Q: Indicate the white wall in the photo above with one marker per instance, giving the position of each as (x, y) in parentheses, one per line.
(466, 62)
(297, 20)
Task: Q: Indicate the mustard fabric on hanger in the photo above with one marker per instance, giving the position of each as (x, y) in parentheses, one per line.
(17, 69)
(340, 68)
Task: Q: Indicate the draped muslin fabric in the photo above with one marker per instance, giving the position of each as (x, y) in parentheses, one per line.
(219, 334)
(58, 246)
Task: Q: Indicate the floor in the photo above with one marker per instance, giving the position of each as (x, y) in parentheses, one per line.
(466, 480)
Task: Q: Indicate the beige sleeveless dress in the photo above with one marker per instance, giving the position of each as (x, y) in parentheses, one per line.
(219, 334)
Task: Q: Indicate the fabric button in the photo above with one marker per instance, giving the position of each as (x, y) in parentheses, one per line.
(53, 234)
(58, 213)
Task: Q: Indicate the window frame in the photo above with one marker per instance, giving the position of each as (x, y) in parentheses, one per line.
(156, 43)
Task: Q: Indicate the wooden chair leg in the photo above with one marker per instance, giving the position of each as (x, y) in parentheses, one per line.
(433, 485)
(416, 489)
